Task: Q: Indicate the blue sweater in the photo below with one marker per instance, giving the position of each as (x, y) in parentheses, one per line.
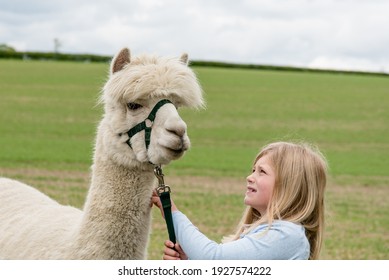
(284, 240)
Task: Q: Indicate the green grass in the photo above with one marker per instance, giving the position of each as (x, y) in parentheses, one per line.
(345, 115)
(49, 115)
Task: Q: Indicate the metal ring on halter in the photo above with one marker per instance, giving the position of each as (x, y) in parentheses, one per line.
(161, 183)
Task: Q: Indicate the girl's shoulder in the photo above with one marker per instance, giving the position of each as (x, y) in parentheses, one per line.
(281, 227)
(287, 240)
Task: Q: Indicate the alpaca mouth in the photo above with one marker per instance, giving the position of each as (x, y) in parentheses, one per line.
(176, 148)
(176, 151)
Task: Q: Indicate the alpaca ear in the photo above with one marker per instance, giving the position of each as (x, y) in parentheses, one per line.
(120, 60)
(184, 58)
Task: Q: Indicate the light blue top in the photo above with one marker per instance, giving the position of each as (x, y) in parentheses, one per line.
(284, 240)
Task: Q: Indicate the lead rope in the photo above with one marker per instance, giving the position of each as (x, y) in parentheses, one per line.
(163, 192)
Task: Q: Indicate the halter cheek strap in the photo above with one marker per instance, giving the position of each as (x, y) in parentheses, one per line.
(146, 124)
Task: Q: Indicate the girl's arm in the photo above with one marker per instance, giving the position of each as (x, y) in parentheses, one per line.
(284, 240)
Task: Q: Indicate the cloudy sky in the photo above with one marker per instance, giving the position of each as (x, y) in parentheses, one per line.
(333, 34)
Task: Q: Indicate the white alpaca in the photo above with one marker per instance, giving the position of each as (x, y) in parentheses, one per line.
(115, 221)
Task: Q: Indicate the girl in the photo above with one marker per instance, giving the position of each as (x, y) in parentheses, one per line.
(284, 218)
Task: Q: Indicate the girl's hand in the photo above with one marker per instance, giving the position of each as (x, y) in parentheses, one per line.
(157, 202)
(173, 254)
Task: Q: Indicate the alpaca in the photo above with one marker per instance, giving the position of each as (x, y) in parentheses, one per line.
(115, 220)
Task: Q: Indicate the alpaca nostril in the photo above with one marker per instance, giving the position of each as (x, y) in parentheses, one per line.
(179, 131)
(178, 128)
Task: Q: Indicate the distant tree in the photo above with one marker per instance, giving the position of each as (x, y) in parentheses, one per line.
(6, 48)
(57, 45)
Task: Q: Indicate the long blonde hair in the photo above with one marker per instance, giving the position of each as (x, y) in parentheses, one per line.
(298, 194)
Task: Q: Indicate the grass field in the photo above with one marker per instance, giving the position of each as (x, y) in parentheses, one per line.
(48, 116)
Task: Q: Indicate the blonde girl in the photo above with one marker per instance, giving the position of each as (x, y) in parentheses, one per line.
(284, 218)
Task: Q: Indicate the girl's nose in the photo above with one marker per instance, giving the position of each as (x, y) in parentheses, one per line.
(249, 178)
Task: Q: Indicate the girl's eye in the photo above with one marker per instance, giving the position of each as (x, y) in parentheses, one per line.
(134, 106)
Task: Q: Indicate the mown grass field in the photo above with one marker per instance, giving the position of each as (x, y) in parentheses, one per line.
(48, 116)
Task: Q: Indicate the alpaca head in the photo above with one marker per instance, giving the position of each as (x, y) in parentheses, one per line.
(134, 87)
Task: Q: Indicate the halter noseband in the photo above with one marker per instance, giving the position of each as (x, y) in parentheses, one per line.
(146, 124)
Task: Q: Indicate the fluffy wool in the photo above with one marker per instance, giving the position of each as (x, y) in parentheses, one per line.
(115, 220)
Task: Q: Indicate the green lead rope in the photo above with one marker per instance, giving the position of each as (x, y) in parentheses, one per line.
(164, 195)
(167, 211)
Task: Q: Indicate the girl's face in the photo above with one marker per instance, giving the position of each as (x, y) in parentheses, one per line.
(260, 184)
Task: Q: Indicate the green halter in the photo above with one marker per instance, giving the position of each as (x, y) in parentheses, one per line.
(163, 190)
(146, 124)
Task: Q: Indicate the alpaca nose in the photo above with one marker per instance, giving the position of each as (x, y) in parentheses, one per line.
(177, 127)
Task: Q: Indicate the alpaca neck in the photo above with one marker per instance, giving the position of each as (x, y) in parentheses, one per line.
(116, 218)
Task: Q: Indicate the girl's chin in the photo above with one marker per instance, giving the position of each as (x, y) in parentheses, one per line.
(247, 201)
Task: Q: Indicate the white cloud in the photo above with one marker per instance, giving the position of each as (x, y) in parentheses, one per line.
(317, 33)
(347, 63)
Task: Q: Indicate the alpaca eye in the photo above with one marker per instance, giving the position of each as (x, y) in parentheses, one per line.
(134, 106)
